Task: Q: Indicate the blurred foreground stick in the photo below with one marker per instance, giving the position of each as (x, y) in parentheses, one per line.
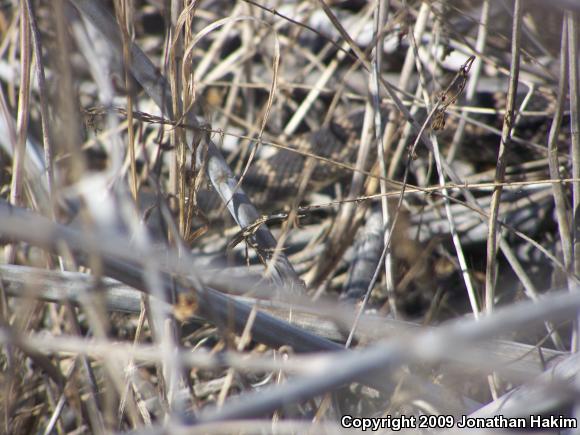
(118, 261)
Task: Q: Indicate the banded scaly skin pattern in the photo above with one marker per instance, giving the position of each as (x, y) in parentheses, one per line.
(273, 183)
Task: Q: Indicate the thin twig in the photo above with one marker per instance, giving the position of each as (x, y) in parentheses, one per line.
(490, 275)
(22, 121)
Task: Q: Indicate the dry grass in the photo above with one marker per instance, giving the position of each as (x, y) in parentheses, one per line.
(437, 277)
